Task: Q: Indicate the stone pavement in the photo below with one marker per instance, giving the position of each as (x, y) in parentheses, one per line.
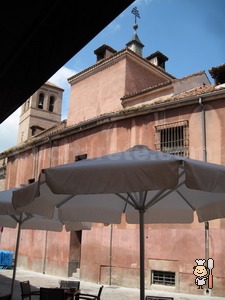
(109, 292)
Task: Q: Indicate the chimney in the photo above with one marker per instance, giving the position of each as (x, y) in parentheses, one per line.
(104, 52)
(158, 59)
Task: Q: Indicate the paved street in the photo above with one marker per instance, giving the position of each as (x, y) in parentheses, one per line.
(109, 292)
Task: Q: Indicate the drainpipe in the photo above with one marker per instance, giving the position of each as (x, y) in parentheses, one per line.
(204, 159)
(203, 130)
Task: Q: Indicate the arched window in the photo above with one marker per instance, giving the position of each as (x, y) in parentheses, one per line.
(51, 103)
(41, 100)
(33, 130)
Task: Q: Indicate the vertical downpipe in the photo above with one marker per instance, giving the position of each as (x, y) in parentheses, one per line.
(204, 159)
(203, 130)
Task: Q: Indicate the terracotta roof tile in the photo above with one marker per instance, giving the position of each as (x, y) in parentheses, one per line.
(119, 53)
(191, 93)
(151, 88)
(189, 76)
(53, 85)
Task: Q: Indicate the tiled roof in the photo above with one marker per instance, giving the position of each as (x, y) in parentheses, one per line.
(189, 76)
(62, 128)
(151, 88)
(199, 91)
(158, 86)
(53, 85)
(52, 130)
(115, 55)
(191, 93)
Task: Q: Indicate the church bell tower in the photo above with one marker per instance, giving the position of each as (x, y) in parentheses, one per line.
(40, 112)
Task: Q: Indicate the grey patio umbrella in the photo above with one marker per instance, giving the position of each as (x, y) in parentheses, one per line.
(148, 186)
(11, 218)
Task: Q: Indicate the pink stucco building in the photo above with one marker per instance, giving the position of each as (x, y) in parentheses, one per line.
(123, 100)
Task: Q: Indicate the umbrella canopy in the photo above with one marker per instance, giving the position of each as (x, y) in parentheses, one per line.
(148, 186)
(11, 218)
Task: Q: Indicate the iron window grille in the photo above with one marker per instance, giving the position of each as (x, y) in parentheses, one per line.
(173, 138)
(163, 278)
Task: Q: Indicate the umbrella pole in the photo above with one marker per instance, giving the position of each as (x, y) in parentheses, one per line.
(142, 255)
(110, 255)
(16, 256)
(206, 241)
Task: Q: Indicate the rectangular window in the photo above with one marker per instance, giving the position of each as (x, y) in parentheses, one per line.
(33, 130)
(173, 138)
(31, 180)
(163, 277)
(80, 157)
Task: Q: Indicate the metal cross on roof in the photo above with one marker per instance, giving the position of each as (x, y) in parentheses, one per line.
(136, 13)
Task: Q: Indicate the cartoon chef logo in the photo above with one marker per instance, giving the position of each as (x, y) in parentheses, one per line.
(201, 273)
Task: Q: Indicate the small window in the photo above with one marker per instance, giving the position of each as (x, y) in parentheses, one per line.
(173, 138)
(33, 130)
(41, 101)
(51, 103)
(163, 277)
(80, 157)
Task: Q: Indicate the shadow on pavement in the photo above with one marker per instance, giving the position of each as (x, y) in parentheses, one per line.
(5, 288)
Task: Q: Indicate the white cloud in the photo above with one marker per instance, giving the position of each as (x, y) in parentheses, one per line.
(60, 79)
(9, 131)
(115, 27)
(61, 76)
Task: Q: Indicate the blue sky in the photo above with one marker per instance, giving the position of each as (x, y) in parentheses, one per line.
(191, 33)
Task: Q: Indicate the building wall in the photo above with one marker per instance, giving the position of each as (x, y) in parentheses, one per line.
(142, 75)
(168, 247)
(97, 92)
(100, 94)
(39, 251)
(110, 253)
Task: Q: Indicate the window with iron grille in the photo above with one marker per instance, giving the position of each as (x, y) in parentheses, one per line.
(163, 277)
(173, 138)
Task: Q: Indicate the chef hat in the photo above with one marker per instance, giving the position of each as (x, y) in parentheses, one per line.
(200, 262)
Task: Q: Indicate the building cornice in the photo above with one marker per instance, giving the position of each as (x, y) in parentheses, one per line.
(115, 58)
(170, 103)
